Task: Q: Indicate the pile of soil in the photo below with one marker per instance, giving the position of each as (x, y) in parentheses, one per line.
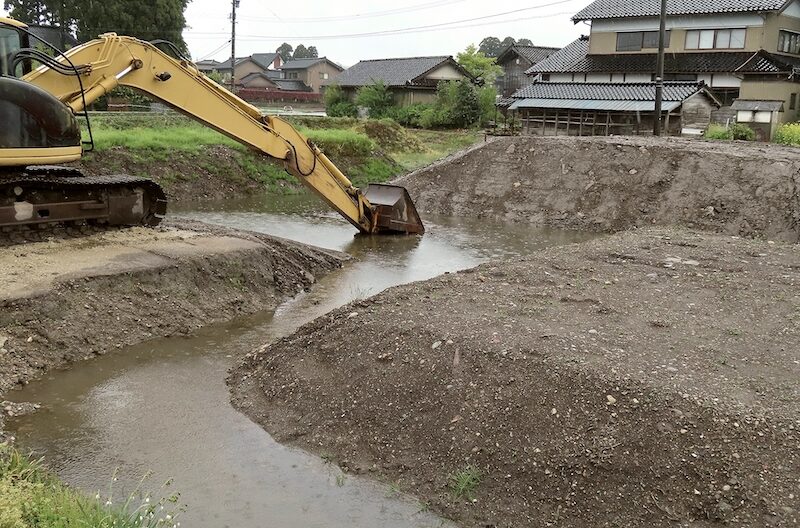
(136, 293)
(610, 184)
(650, 378)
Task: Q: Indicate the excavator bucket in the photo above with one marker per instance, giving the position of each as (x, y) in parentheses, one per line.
(394, 209)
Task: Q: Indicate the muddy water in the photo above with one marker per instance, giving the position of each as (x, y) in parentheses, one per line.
(163, 406)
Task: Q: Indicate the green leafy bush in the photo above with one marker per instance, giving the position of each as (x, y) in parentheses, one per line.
(377, 98)
(742, 132)
(342, 109)
(408, 116)
(337, 104)
(788, 134)
(737, 131)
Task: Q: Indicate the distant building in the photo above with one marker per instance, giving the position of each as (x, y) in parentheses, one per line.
(313, 73)
(747, 52)
(411, 79)
(255, 63)
(515, 61)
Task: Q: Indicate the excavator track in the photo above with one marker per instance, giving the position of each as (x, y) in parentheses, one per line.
(61, 200)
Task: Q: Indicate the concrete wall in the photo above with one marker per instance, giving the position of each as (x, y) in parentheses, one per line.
(245, 67)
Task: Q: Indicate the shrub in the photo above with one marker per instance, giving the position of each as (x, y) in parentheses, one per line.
(736, 131)
(487, 95)
(337, 104)
(718, 132)
(742, 132)
(342, 109)
(788, 134)
(376, 98)
(341, 142)
(466, 109)
(408, 116)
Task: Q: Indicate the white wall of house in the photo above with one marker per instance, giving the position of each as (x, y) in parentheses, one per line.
(445, 72)
(720, 80)
(684, 22)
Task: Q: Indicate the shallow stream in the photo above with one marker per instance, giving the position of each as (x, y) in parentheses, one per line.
(163, 405)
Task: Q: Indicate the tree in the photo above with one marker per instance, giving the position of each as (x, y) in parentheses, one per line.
(376, 97)
(507, 43)
(490, 46)
(467, 108)
(163, 19)
(524, 42)
(300, 52)
(44, 12)
(312, 52)
(285, 51)
(479, 65)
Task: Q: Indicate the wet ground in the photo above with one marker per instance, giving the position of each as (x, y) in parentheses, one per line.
(163, 405)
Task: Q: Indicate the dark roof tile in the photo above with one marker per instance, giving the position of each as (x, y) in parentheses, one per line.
(393, 72)
(673, 91)
(601, 9)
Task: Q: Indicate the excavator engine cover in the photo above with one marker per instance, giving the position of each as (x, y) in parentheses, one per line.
(395, 211)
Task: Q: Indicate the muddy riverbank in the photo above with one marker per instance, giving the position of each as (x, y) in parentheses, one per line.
(68, 300)
(611, 184)
(646, 379)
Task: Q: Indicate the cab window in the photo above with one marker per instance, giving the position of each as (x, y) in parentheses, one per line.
(9, 46)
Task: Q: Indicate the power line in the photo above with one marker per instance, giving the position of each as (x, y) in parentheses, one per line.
(217, 50)
(414, 28)
(257, 38)
(371, 14)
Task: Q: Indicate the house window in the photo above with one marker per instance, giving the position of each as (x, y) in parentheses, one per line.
(323, 75)
(291, 75)
(715, 39)
(638, 40)
(793, 101)
(789, 42)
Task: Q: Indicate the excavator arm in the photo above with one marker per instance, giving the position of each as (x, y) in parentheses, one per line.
(111, 61)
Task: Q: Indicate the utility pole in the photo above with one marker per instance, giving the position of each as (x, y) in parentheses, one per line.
(234, 5)
(662, 36)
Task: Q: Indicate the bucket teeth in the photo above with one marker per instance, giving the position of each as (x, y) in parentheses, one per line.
(393, 209)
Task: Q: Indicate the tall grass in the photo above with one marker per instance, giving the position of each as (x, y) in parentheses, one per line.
(30, 497)
(184, 138)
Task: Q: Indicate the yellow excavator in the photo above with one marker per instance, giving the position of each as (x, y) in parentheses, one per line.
(44, 91)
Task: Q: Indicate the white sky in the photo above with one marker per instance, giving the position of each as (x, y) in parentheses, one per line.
(264, 25)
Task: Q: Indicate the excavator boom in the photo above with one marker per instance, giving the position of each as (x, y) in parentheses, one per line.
(111, 61)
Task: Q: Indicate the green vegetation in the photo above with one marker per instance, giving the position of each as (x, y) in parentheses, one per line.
(377, 98)
(464, 482)
(30, 497)
(175, 150)
(788, 134)
(337, 104)
(737, 131)
(479, 65)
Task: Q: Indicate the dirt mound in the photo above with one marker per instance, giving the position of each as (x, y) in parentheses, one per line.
(645, 379)
(610, 184)
(69, 300)
(390, 136)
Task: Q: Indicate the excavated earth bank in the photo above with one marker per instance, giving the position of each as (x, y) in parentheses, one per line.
(650, 378)
(67, 300)
(611, 184)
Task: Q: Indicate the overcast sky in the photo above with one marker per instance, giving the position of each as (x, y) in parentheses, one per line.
(264, 25)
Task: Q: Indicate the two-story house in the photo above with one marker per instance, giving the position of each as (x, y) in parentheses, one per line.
(515, 61)
(312, 73)
(745, 52)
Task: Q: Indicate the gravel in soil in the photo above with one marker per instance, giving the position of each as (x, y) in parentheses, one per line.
(71, 299)
(611, 184)
(650, 378)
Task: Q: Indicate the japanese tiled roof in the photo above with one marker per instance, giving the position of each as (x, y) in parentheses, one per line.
(604, 9)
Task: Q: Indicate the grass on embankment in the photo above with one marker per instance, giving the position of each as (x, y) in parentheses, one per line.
(30, 497)
(190, 160)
